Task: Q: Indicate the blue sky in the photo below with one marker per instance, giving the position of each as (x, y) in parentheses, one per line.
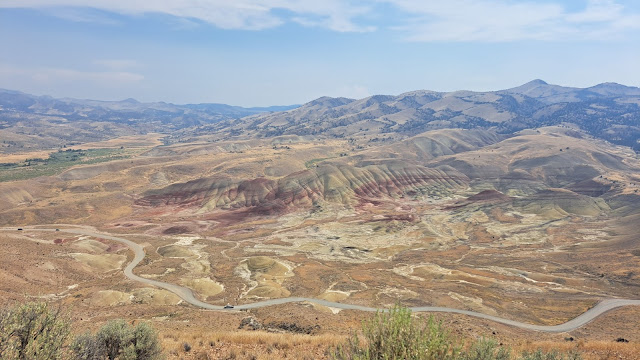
(274, 52)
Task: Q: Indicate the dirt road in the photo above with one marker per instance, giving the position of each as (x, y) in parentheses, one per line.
(187, 295)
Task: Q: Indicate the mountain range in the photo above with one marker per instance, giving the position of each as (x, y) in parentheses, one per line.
(125, 110)
(608, 111)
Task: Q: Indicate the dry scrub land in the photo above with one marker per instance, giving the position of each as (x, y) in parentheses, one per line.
(535, 227)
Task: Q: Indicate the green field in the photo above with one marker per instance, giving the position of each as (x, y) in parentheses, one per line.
(58, 162)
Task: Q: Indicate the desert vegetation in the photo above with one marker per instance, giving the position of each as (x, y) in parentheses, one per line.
(38, 331)
(32, 331)
(397, 334)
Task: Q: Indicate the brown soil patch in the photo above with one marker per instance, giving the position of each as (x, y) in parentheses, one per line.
(101, 263)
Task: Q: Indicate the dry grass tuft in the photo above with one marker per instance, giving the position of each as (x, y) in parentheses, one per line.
(592, 350)
(255, 345)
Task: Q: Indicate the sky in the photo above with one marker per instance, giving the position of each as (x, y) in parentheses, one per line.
(281, 52)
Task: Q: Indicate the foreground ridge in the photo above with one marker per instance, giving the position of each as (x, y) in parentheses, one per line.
(187, 295)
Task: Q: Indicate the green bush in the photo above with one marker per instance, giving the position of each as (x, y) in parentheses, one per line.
(398, 335)
(87, 347)
(486, 349)
(118, 340)
(32, 331)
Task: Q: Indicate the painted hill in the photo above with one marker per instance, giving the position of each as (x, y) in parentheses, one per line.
(337, 183)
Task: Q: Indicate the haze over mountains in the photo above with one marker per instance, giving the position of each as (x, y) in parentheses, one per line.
(609, 111)
(119, 110)
(59, 122)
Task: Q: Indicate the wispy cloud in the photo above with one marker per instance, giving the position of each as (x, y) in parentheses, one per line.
(416, 20)
(336, 15)
(81, 15)
(62, 75)
(503, 21)
(116, 64)
(180, 23)
(597, 11)
(336, 24)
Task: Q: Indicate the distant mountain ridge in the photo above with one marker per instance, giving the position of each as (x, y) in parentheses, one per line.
(29, 122)
(551, 94)
(123, 110)
(609, 111)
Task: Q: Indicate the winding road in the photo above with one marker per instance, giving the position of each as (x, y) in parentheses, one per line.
(187, 295)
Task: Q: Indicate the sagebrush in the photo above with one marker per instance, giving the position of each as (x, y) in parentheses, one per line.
(119, 340)
(397, 334)
(33, 331)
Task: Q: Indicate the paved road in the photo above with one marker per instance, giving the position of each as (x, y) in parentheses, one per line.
(187, 295)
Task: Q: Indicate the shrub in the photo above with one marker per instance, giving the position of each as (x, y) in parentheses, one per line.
(398, 335)
(146, 343)
(32, 331)
(87, 347)
(486, 349)
(117, 339)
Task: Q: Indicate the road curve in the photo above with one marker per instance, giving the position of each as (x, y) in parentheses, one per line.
(187, 295)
